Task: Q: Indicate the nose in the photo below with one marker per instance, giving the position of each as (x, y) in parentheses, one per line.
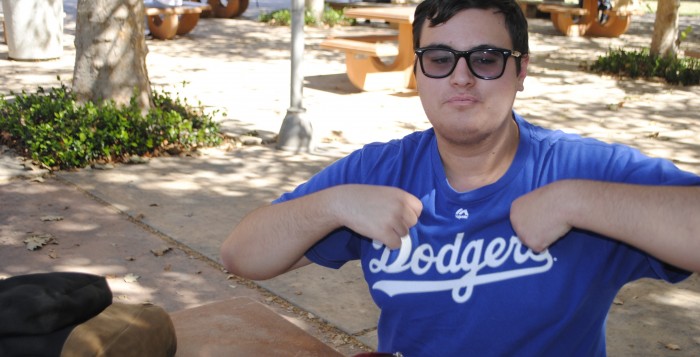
(462, 75)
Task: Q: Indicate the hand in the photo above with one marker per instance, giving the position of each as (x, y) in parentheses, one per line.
(539, 217)
(381, 213)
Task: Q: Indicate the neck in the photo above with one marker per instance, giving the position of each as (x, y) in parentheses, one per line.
(469, 167)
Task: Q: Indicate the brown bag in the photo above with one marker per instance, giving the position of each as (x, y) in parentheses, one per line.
(124, 330)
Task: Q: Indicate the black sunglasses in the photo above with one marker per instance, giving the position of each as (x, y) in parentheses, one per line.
(484, 63)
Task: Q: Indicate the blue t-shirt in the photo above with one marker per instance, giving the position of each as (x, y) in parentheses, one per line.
(468, 286)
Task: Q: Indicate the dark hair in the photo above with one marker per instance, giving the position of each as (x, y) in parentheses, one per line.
(440, 11)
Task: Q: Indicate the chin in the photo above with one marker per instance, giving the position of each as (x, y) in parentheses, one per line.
(463, 136)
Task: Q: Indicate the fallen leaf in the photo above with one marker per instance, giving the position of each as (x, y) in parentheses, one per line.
(168, 267)
(53, 254)
(618, 301)
(131, 278)
(338, 340)
(161, 251)
(37, 241)
(672, 347)
(51, 218)
(130, 259)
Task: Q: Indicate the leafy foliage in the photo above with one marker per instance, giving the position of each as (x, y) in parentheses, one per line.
(52, 128)
(641, 64)
(330, 17)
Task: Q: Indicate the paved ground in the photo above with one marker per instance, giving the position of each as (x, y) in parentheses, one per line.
(112, 221)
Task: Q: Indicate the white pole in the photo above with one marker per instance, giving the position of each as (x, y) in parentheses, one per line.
(296, 131)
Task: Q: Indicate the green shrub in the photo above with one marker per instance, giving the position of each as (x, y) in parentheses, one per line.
(54, 130)
(330, 17)
(641, 64)
(333, 17)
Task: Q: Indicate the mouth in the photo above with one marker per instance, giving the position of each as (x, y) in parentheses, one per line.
(462, 100)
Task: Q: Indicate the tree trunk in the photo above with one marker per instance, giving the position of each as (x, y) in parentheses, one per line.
(110, 59)
(315, 7)
(664, 41)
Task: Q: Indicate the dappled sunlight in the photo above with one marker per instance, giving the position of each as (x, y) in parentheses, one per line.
(93, 238)
(298, 322)
(77, 227)
(89, 266)
(659, 119)
(680, 298)
(173, 184)
(660, 314)
(129, 292)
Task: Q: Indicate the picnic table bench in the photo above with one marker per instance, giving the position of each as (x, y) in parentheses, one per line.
(165, 22)
(376, 62)
(572, 20)
(363, 55)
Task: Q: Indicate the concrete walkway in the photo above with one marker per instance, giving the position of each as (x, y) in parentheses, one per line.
(241, 68)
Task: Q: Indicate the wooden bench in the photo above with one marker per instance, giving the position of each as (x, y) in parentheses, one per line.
(572, 20)
(373, 46)
(165, 22)
(367, 59)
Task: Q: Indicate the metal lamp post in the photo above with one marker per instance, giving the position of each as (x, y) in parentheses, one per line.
(296, 132)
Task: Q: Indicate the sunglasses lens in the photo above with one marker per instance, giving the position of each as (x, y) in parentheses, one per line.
(438, 63)
(486, 64)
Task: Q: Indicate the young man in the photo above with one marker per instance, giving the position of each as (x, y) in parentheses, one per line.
(517, 238)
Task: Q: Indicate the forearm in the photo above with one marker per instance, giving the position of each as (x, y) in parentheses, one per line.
(272, 239)
(660, 220)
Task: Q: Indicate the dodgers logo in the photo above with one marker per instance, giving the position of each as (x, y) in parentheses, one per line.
(453, 258)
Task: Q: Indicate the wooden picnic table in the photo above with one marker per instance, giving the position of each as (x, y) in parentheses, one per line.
(242, 326)
(365, 56)
(165, 22)
(572, 20)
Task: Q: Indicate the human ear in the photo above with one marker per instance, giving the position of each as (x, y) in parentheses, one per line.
(524, 61)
